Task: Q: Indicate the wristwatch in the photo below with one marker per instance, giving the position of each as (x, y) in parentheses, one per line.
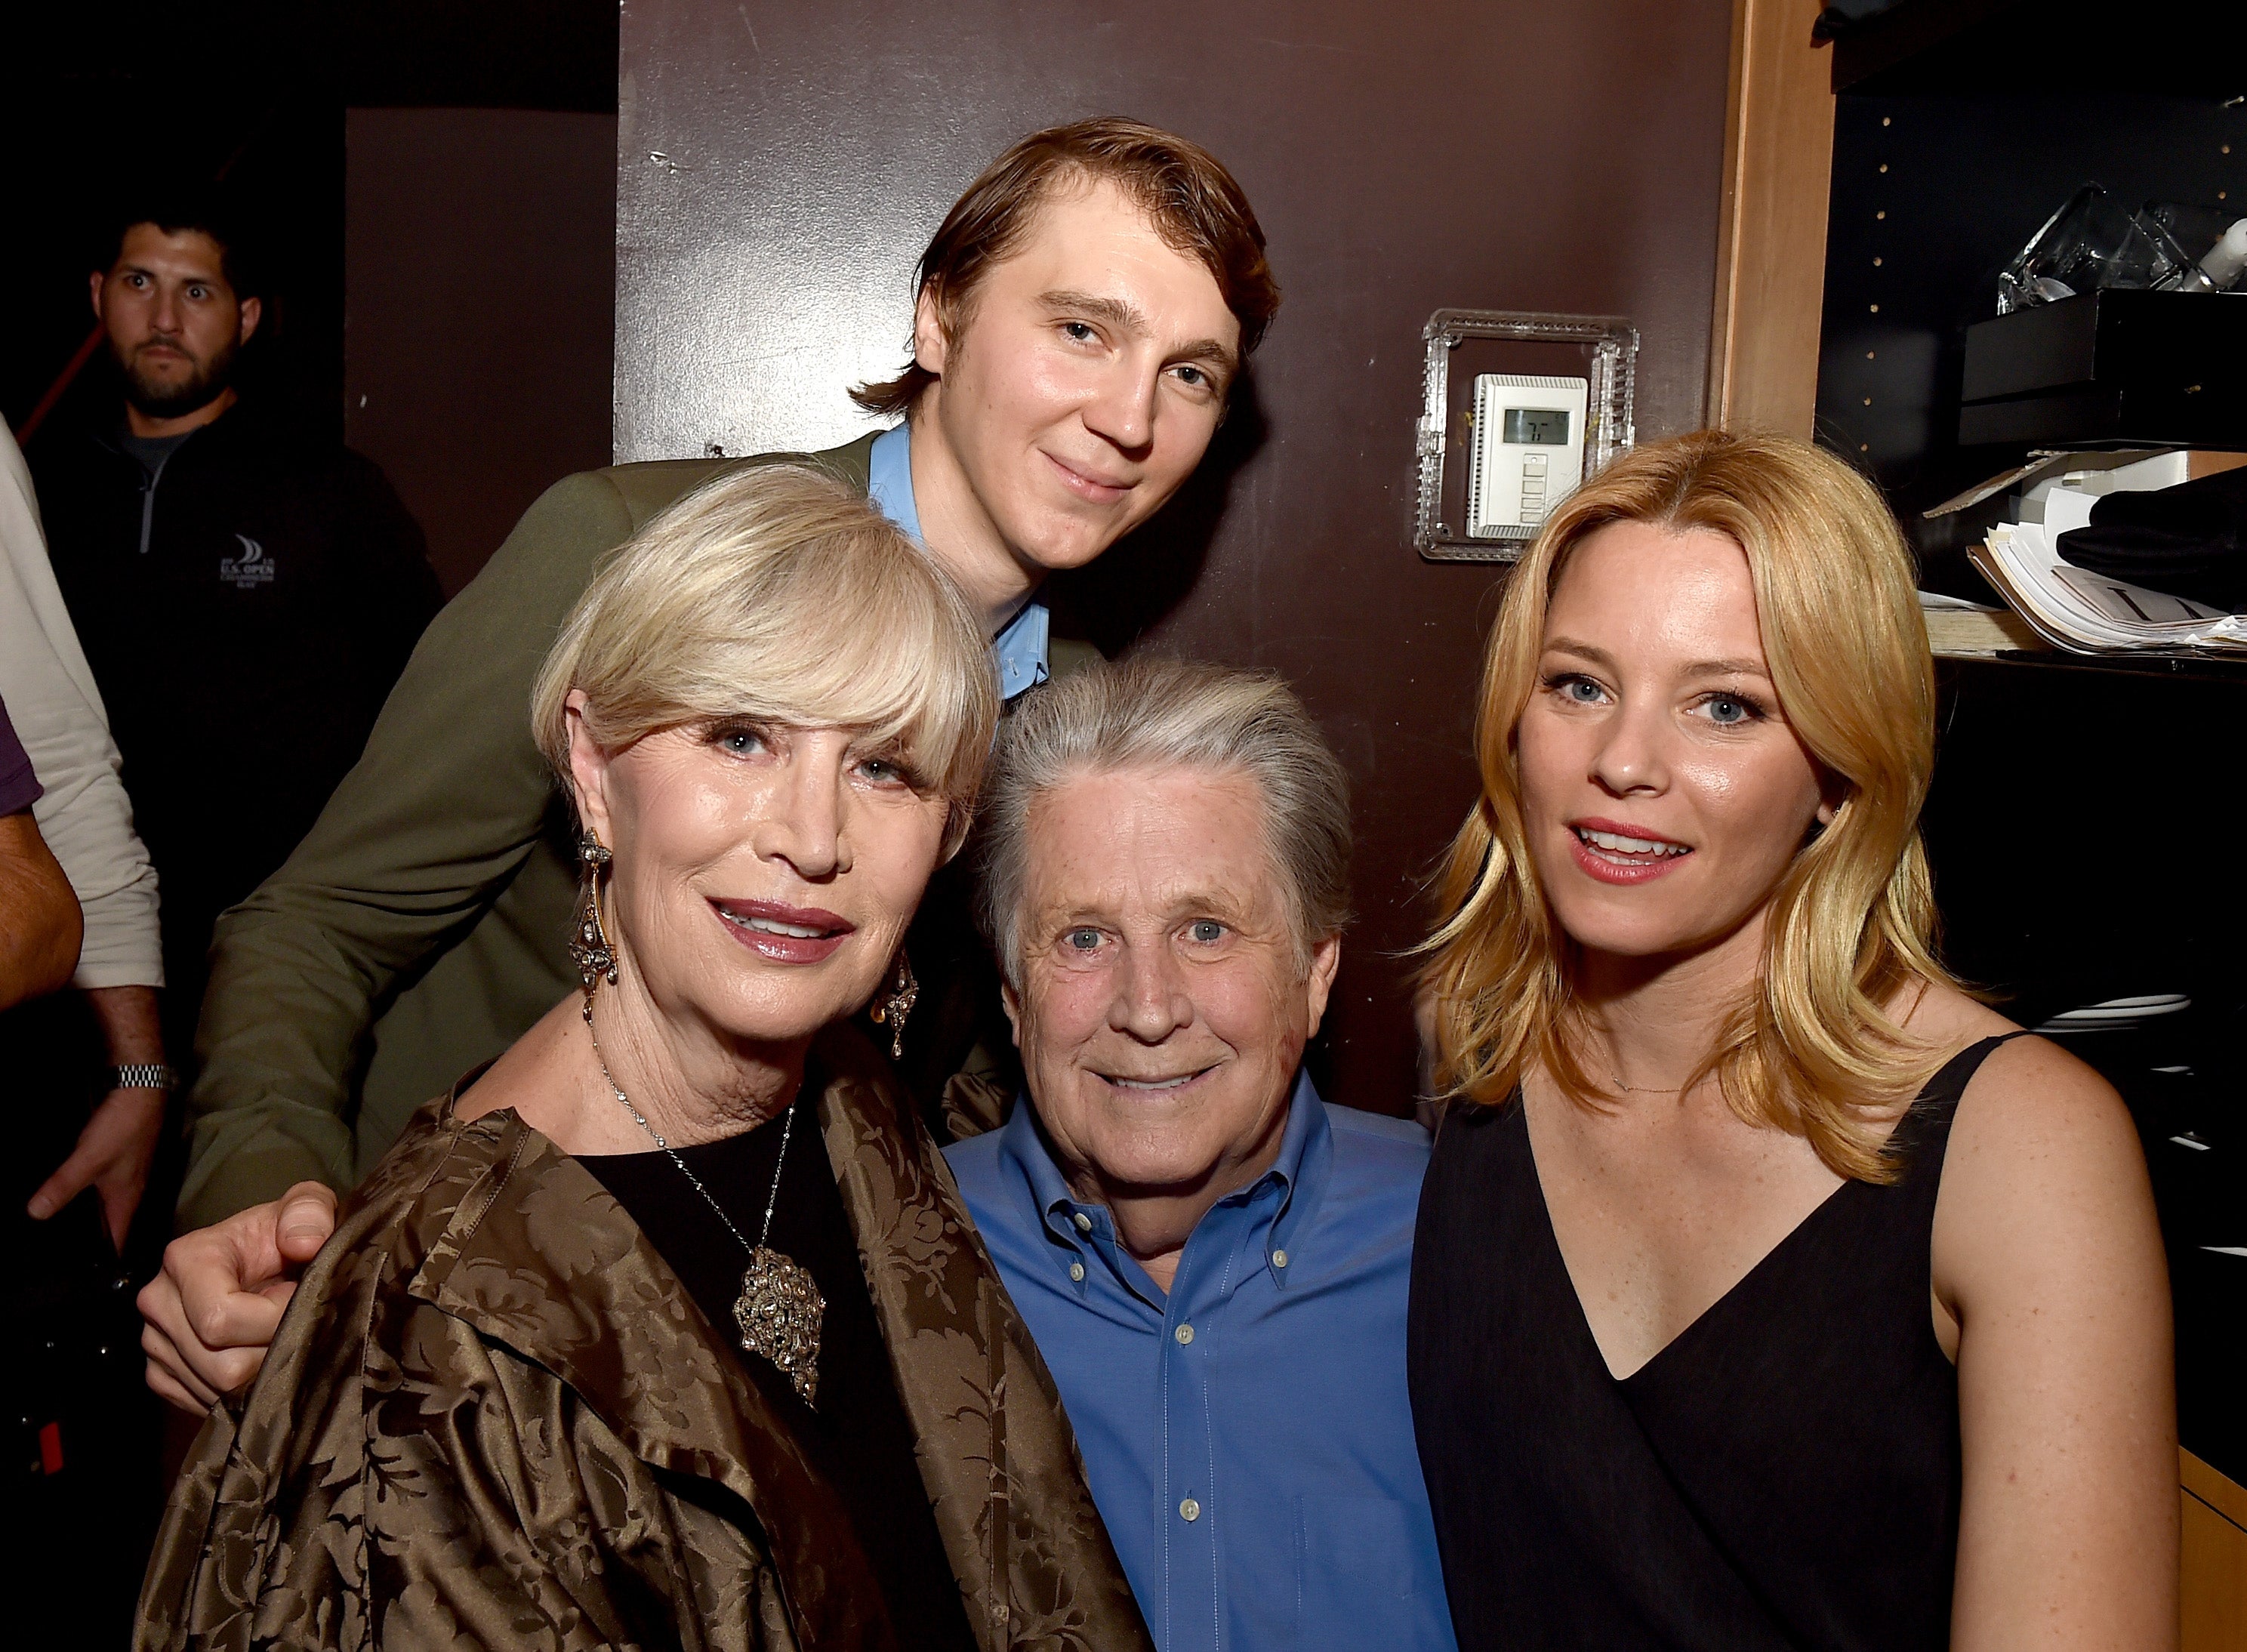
(144, 1076)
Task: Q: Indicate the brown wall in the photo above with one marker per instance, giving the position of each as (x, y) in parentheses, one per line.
(479, 310)
(780, 167)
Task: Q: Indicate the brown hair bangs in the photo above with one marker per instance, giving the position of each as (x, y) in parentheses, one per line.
(1193, 200)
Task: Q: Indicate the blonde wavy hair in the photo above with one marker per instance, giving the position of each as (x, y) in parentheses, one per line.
(776, 594)
(1810, 1048)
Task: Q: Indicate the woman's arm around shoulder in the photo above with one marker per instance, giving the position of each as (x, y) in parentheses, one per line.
(2048, 1257)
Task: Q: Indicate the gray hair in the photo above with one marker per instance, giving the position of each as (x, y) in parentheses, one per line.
(1154, 713)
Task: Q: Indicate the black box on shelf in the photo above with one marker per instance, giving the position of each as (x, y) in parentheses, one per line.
(2161, 368)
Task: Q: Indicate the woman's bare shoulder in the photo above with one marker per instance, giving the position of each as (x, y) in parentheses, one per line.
(2030, 1100)
(2044, 1161)
(1946, 1019)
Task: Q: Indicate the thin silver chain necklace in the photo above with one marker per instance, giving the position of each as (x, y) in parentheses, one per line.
(780, 1309)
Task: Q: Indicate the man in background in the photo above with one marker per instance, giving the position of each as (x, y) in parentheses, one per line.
(246, 590)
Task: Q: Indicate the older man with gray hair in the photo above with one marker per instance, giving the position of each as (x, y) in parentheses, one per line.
(1213, 1261)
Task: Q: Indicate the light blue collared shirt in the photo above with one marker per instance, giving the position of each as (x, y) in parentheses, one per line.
(1022, 649)
(1247, 1437)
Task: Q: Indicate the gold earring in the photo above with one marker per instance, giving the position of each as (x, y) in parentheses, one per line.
(896, 1002)
(589, 943)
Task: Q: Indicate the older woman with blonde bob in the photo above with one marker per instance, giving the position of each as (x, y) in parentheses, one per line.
(1770, 1291)
(668, 1327)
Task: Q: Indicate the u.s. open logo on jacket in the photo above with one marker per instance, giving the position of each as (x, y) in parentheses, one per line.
(250, 568)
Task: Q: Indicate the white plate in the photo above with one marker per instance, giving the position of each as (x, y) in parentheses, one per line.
(2115, 1014)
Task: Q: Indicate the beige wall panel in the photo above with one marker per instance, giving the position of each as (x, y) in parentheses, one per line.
(1771, 266)
(2215, 1560)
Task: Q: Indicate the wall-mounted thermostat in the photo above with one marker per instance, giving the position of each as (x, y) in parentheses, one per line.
(1516, 410)
(1528, 452)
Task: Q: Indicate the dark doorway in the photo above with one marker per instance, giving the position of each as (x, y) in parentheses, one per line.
(263, 97)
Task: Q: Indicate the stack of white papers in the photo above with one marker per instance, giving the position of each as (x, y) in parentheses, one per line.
(1957, 627)
(2087, 613)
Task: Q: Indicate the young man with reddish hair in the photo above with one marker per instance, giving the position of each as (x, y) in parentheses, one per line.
(1083, 312)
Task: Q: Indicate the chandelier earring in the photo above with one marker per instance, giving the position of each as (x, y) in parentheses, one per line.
(896, 1003)
(589, 942)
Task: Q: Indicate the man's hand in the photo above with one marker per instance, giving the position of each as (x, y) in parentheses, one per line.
(112, 1156)
(211, 1314)
(115, 1147)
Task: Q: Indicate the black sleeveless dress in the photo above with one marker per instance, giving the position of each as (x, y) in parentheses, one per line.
(1784, 1474)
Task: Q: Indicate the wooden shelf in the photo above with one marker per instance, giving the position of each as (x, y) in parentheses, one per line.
(2214, 1571)
(1911, 31)
(1992, 46)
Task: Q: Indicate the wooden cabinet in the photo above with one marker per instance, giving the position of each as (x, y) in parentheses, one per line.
(2213, 1604)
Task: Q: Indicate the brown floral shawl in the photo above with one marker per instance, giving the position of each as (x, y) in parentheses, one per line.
(494, 1417)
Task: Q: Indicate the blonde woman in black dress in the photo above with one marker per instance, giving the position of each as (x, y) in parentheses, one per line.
(1770, 1291)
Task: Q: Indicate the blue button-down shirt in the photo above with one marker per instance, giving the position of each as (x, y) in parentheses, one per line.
(1022, 649)
(1247, 1437)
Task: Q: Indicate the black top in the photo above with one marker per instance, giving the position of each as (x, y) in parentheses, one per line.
(154, 451)
(857, 1437)
(1784, 1474)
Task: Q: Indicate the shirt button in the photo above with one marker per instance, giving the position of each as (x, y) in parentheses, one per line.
(1189, 1510)
(1279, 1258)
(1184, 1335)
(1077, 1271)
(1083, 1222)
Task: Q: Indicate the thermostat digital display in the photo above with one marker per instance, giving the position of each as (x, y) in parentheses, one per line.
(1540, 425)
(1528, 452)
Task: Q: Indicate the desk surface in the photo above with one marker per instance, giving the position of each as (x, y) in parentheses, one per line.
(2183, 668)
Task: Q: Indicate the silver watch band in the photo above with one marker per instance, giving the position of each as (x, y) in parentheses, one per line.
(144, 1076)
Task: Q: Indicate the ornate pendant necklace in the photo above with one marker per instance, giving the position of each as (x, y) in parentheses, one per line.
(780, 1308)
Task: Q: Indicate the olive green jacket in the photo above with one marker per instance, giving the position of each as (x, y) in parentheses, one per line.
(494, 1417)
(418, 928)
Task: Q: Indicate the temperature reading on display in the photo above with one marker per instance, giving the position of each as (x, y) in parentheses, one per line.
(1541, 427)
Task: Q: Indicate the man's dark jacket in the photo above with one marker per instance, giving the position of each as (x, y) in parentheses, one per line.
(245, 612)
